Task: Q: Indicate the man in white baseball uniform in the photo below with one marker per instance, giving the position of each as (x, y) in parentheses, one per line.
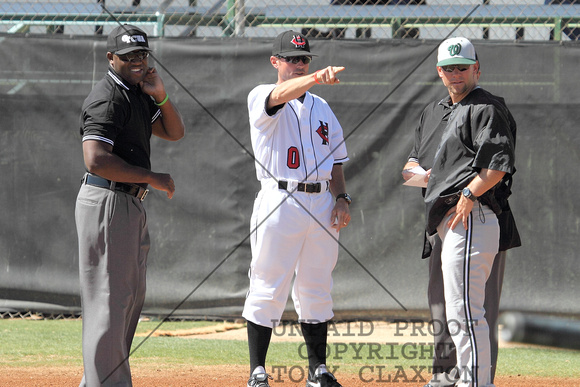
(300, 209)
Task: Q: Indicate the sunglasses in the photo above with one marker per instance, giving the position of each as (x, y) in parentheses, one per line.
(295, 59)
(451, 68)
(134, 56)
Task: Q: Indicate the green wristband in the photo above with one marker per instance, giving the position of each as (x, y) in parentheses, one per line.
(164, 100)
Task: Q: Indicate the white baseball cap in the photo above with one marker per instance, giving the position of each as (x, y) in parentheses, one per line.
(456, 51)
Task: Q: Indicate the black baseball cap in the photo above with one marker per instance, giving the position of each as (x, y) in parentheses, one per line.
(291, 43)
(127, 38)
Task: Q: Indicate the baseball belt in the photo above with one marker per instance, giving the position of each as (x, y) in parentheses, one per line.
(126, 188)
(302, 187)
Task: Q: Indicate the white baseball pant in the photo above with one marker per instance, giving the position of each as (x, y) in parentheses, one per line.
(289, 240)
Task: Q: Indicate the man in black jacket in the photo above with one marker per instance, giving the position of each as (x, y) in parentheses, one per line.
(468, 140)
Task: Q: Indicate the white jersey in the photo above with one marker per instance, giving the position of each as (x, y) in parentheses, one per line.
(301, 141)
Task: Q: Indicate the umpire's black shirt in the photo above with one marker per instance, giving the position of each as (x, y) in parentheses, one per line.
(121, 115)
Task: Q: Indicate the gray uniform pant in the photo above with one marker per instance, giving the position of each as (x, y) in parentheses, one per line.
(444, 359)
(444, 356)
(113, 246)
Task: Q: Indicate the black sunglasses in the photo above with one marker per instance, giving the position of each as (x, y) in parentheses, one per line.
(134, 56)
(295, 59)
(451, 68)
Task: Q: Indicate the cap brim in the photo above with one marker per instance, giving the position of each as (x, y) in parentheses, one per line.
(131, 49)
(452, 61)
(295, 53)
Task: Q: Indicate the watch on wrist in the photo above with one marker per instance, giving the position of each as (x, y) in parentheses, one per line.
(468, 194)
(344, 196)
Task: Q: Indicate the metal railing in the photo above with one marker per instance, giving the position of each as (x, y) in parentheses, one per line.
(388, 19)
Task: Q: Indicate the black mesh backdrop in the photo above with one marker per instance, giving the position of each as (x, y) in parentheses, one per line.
(43, 82)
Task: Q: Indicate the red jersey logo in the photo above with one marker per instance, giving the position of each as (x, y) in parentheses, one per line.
(323, 132)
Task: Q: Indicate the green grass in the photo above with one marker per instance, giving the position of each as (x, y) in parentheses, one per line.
(539, 361)
(28, 343)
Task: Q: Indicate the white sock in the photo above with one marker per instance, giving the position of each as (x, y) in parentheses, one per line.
(259, 370)
(321, 369)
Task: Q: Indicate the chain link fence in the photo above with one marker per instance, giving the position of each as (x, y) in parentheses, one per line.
(29, 315)
(529, 20)
(32, 315)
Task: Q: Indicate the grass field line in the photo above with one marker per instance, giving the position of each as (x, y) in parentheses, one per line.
(39, 344)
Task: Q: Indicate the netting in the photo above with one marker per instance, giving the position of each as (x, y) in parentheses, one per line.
(530, 20)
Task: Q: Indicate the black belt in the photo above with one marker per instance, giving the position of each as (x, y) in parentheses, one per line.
(127, 188)
(302, 187)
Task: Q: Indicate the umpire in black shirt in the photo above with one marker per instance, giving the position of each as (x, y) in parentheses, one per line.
(118, 118)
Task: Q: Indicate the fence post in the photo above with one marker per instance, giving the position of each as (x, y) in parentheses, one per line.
(558, 28)
(240, 17)
(396, 27)
(229, 28)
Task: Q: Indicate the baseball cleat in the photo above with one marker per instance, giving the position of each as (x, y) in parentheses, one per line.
(259, 380)
(323, 380)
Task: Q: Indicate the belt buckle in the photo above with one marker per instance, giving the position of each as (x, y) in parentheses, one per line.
(143, 195)
(313, 187)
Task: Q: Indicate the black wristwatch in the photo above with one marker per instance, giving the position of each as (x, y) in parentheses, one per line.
(468, 194)
(344, 196)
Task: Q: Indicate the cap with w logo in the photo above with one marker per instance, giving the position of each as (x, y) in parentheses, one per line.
(456, 51)
(291, 43)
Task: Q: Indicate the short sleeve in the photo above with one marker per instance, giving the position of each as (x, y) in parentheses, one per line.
(101, 120)
(493, 142)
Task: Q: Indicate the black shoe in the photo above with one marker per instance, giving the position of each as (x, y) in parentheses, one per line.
(324, 380)
(259, 380)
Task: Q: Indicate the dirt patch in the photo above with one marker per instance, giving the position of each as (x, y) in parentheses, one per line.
(346, 332)
(209, 332)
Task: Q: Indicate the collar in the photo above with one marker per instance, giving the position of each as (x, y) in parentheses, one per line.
(446, 102)
(119, 81)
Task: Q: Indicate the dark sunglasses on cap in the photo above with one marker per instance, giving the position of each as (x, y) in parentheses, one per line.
(134, 56)
(295, 59)
(451, 68)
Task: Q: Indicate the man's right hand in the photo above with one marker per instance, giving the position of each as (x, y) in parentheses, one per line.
(407, 174)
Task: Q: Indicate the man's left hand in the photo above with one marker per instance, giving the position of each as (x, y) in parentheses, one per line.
(462, 210)
(340, 216)
(153, 85)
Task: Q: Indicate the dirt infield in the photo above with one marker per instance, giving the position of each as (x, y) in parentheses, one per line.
(234, 376)
(172, 375)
